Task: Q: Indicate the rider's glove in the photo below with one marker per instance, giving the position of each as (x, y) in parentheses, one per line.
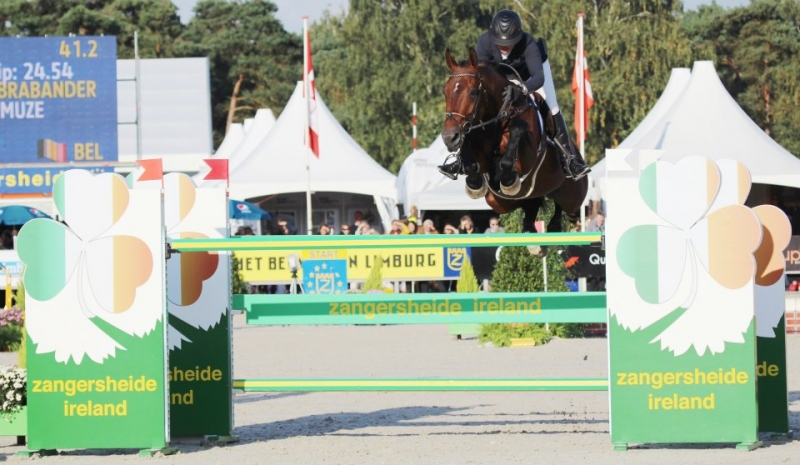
(512, 93)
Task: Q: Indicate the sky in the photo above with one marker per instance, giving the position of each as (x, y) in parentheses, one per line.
(291, 11)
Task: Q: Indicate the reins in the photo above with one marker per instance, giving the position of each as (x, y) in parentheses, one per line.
(468, 125)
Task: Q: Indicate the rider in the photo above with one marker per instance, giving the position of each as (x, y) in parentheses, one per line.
(505, 42)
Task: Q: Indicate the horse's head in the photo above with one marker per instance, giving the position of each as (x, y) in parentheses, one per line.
(463, 92)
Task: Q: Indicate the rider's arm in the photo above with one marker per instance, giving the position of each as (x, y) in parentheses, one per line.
(484, 47)
(533, 59)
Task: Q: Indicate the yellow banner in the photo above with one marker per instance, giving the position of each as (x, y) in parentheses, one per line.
(265, 266)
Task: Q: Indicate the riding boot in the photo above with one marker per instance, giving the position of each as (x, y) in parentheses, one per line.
(573, 165)
(451, 170)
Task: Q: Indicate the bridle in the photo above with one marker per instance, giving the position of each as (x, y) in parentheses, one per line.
(468, 122)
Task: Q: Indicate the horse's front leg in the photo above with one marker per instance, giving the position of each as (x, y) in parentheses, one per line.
(476, 186)
(510, 183)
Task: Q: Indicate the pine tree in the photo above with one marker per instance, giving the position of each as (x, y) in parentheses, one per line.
(374, 280)
(467, 281)
(238, 286)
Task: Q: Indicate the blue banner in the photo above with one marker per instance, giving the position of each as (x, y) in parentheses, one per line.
(325, 276)
(454, 260)
(58, 103)
(38, 180)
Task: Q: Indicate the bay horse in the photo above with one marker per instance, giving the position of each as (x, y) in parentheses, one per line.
(504, 150)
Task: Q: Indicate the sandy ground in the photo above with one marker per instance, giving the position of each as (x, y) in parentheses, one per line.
(424, 427)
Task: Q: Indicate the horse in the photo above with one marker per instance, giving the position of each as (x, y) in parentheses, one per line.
(504, 150)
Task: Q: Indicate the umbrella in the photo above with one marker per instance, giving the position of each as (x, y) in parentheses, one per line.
(16, 215)
(241, 210)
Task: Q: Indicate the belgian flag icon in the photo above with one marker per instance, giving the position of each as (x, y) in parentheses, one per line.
(52, 150)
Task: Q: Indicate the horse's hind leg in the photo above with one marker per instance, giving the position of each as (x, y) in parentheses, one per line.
(509, 179)
(554, 225)
(531, 209)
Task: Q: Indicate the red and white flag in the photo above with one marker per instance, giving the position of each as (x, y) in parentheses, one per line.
(584, 100)
(218, 170)
(310, 93)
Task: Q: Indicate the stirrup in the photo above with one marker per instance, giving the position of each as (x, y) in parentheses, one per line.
(576, 176)
(445, 167)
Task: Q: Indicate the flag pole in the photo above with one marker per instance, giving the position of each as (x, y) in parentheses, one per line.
(414, 123)
(306, 94)
(581, 84)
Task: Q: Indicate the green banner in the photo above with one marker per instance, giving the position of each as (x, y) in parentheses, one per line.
(511, 307)
(657, 397)
(773, 390)
(200, 382)
(115, 404)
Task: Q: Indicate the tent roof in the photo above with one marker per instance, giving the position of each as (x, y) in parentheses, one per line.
(278, 163)
(262, 124)
(419, 173)
(678, 79)
(706, 121)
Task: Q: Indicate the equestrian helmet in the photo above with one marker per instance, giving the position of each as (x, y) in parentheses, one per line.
(506, 28)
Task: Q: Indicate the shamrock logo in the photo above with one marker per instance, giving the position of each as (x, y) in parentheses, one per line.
(770, 299)
(702, 244)
(188, 271)
(88, 263)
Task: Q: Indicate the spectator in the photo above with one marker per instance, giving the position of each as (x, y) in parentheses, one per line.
(429, 228)
(363, 228)
(450, 229)
(398, 227)
(467, 226)
(324, 230)
(412, 227)
(248, 231)
(345, 230)
(360, 224)
(494, 226)
(285, 227)
(597, 224)
(793, 286)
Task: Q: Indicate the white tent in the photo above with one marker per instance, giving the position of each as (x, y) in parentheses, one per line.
(420, 173)
(678, 79)
(706, 121)
(450, 196)
(278, 164)
(233, 139)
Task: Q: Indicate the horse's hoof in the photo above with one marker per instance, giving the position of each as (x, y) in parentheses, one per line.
(478, 193)
(536, 251)
(513, 189)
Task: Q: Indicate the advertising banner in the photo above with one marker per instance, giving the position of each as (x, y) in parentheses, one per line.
(95, 317)
(58, 104)
(262, 266)
(198, 302)
(682, 273)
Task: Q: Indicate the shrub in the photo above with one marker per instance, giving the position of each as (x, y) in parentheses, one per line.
(11, 328)
(12, 388)
(22, 354)
(519, 271)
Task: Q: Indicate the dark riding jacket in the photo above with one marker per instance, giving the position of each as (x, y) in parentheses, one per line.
(526, 57)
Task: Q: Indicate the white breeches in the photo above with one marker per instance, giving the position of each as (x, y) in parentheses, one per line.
(547, 91)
